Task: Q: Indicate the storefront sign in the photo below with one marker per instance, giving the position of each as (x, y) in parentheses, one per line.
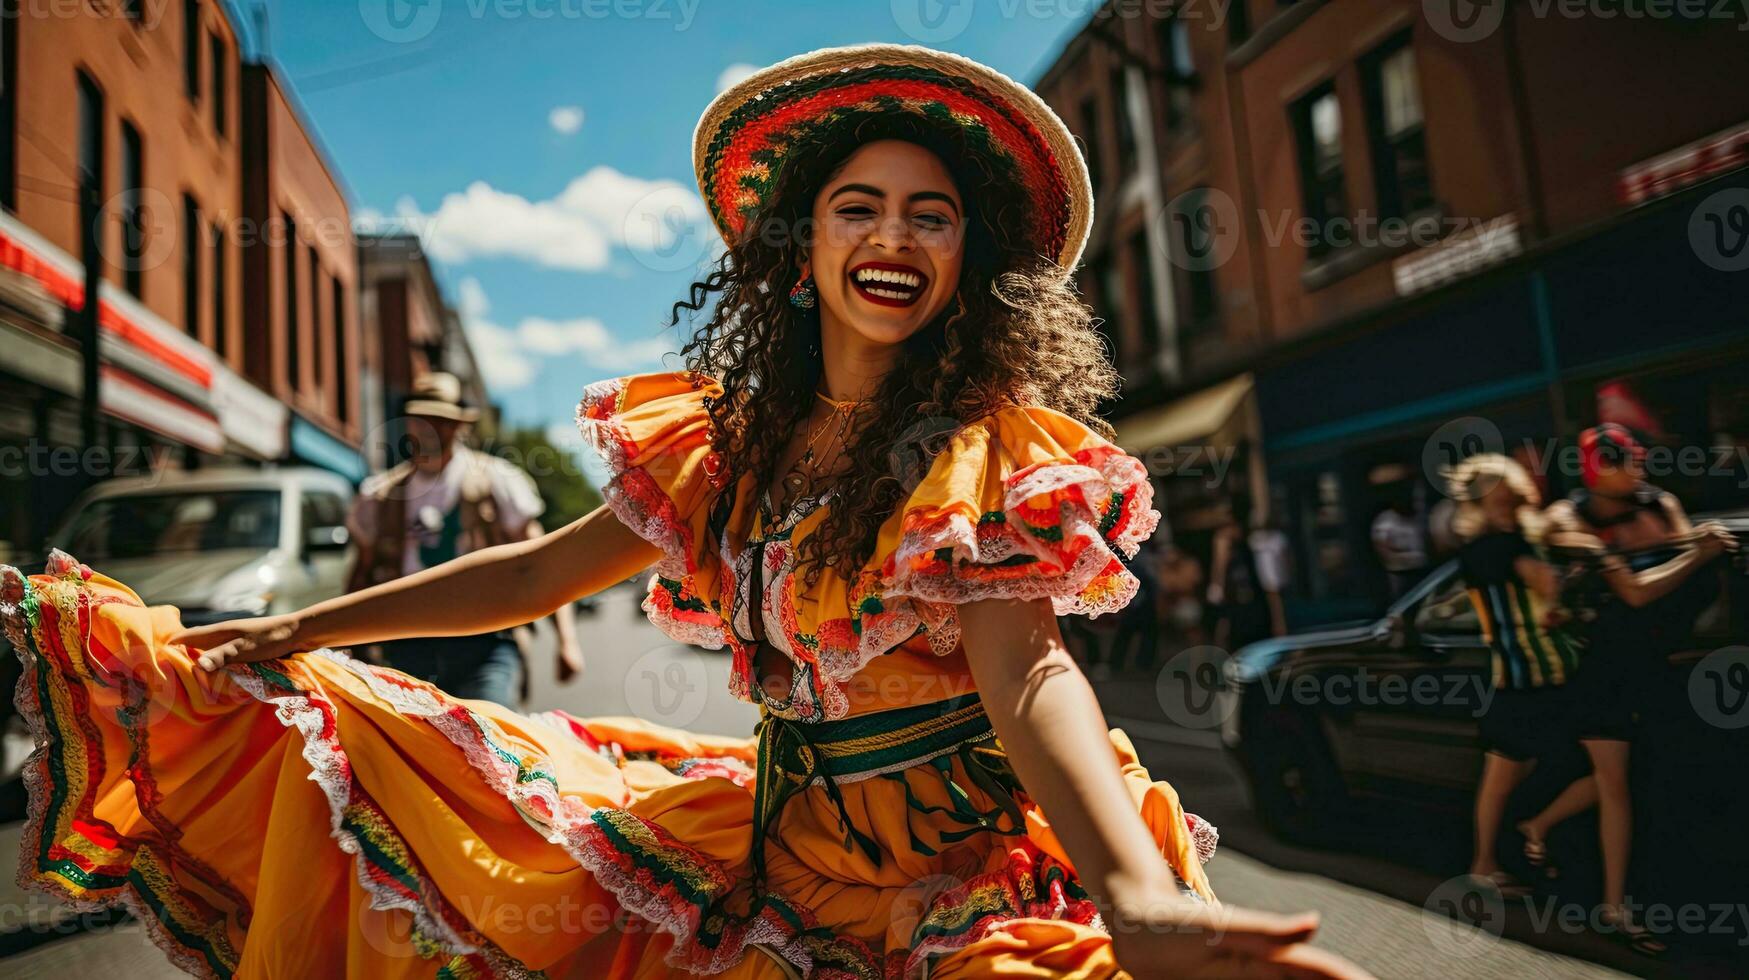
(251, 419)
(313, 445)
(1685, 166)
(1459, 256)
(137, 401)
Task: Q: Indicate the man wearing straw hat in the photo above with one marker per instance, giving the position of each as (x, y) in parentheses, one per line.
(444, 501)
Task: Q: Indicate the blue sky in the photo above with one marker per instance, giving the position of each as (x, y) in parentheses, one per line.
(543, 147)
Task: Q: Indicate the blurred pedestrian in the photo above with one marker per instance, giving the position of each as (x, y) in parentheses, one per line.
(1399, 541)
(444, 501)
(1642, 549)
(1240, 607)
(1517, 595)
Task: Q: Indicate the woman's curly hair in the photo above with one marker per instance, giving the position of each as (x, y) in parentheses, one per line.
(1018, 334)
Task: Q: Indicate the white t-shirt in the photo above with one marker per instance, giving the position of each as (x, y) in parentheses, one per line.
(432, 509)
(1399, 542)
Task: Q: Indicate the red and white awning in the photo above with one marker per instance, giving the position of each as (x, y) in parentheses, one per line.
(153, 374)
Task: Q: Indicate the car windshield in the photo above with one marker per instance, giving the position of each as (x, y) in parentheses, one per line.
(139, 526)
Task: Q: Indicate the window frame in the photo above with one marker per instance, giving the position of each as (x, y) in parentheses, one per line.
(1317, 188)
(1387, 151)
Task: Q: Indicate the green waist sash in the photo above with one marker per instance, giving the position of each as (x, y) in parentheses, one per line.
(886, 744)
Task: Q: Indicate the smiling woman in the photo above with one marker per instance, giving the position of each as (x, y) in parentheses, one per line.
(931, 789)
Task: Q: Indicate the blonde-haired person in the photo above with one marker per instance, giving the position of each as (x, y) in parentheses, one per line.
(1516, 593)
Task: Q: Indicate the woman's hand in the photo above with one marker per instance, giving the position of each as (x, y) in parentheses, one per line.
(242, 641)
(1172, 936)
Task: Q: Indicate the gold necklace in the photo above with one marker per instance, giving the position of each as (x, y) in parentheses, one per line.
(798, 481)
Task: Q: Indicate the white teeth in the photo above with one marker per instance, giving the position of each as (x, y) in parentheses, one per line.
(886, 293)
(909, 279)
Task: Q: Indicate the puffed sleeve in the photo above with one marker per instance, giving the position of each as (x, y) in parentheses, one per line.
(653, 433)
(1027, 503)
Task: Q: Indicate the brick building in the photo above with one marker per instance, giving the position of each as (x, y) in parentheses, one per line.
(301, 277)
(1378, 226)
(220, 338)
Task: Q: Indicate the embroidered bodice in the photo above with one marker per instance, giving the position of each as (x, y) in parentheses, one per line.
(1026, 503)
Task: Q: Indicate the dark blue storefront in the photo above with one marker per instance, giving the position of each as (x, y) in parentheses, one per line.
(1529, 353)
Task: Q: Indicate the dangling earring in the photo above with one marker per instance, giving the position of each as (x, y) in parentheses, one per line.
(801, 295)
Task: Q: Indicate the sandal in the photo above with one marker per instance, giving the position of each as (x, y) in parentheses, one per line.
(1617, 925)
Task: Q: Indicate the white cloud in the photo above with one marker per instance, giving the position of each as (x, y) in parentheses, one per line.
(734, 73)
(576, 229)
(496, 353)
(510, 357)
(566, 119)
(472, 303)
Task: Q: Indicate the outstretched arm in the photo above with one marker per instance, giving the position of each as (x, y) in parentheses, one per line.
(491, 589)
(1049, 721)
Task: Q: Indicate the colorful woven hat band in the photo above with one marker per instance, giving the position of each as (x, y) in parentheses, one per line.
(740, 144)
(751, 150)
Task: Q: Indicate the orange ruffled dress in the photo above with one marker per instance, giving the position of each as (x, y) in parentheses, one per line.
(319, 816)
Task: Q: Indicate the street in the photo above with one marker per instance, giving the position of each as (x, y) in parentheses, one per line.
(1372, 907)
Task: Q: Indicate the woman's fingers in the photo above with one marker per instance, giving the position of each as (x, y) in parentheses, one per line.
(216, 657)
(1257, 931)
(1306, 962)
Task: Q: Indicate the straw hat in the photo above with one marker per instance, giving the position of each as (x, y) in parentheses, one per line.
(438, 395)
(736, 149)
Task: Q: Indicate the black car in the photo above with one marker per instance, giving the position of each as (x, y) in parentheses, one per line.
(1386, 711)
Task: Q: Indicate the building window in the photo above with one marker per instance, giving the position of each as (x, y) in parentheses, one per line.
(1195, 246)
(343, 364)
(1396, 131)
(221, 294)
(133, 212)
(1126, 130)
(1147, 310)
(1317, 121)
(1238, 23)
(1090, 136)
(221, 69)
(1178, 67)
(8, 104)
(293, 327)
(191, 48)
(190, 266)
(91, 167)
(318, 363)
